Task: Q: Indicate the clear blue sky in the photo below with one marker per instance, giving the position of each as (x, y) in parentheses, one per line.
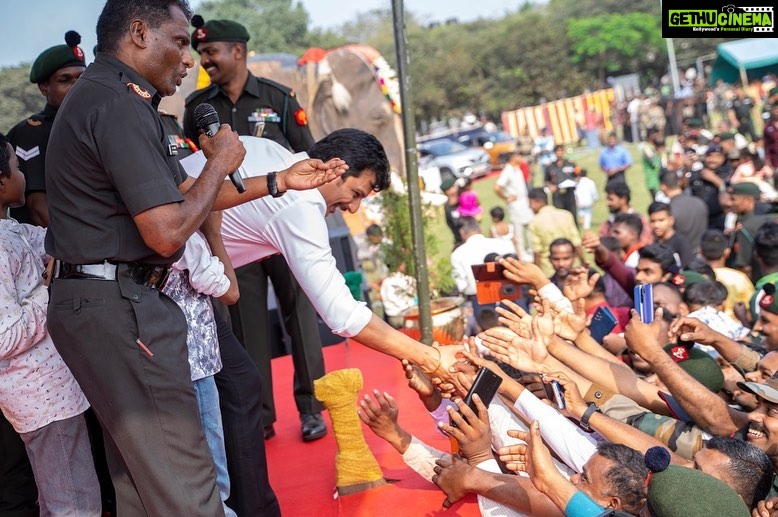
(31, 26)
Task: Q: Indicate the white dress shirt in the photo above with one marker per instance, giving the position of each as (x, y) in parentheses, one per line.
(294, 226)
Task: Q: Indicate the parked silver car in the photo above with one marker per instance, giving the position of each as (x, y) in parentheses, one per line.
(455, 159)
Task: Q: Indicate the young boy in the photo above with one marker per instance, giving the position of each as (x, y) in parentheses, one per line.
(38, 394)
(626, 228)
(662, 224)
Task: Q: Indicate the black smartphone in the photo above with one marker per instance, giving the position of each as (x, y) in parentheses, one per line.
(555, 394)
(644, 302)
(490, 284)
(486, 384)
(602, 323)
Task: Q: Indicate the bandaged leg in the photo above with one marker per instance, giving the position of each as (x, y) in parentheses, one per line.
(357, 468)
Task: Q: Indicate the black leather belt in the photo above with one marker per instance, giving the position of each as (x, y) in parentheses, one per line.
(147, 275)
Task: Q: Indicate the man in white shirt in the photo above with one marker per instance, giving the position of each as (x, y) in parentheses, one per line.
(472, 251)
(512, 188)
(293, 224)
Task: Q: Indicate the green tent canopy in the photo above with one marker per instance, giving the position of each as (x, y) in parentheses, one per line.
(745, 59)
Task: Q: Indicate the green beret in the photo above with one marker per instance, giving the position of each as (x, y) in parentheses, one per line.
(773, 91)
(698, 364)
(60, 56)
(687, 492)
(727, 135)
(745, 188)
(695, 123)
(217, 30)
(767, 301)
(687, 278)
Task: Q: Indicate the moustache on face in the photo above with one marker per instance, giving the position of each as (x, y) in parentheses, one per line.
(754, 426)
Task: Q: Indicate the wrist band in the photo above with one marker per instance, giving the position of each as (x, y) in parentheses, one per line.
(272, 184)
(440, 357)
(584, 422)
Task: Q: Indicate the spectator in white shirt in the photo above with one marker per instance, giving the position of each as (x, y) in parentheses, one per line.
(585, 196)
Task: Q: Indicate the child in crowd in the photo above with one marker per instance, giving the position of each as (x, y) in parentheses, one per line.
(38, 394)
(500, 228)
(585, 197)
(469, 205)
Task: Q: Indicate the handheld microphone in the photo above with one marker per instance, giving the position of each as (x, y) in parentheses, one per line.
(207, 119)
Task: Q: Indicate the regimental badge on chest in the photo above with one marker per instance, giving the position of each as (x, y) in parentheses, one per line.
(264, 115)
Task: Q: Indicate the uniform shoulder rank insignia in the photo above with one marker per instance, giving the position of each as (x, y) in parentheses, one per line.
(33, 122)
(300, 117)
(27, 154)
(141, 92)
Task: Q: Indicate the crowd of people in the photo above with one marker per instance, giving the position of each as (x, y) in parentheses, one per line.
(128, 386)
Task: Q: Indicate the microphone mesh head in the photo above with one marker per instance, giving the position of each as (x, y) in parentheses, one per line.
(205, 115)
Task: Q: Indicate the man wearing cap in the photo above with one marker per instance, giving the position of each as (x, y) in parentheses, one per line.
(255, 106)
(744, 196)
(55, 70)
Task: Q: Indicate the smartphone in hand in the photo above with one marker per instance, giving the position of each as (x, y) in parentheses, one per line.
(486, 384)
(603, 322)
(555, 394)
(644, 302)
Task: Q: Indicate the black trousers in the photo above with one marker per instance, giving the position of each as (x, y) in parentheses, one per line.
(18, 493)
(240, 389)
(251, 325)
(159, 459)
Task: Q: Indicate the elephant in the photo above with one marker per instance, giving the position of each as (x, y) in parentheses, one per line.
(348, 86)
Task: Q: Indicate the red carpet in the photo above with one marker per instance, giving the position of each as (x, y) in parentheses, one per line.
(303, 474)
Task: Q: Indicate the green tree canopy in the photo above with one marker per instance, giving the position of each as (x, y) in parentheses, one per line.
(615, 42)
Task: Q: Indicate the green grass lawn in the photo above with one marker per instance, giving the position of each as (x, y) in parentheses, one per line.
(583, 157)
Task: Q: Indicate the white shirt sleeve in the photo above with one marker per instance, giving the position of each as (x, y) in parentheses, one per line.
(552, 293)
(571, 443)
(421, 458)
(299, 232)
(206, 272)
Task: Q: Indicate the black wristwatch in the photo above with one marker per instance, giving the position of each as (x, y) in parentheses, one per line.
(272, 185)
(592, 409)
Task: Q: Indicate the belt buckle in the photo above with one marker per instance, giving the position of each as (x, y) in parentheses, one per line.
(158, 277)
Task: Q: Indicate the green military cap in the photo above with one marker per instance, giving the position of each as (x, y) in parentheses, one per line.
(694, 123)
(686, 278)
(59, 56)
(727, 135)
(447, 183)
(745, 188)
(217, 30)
(766, 297)
(698, 364)
(675, 491)
(767, 390)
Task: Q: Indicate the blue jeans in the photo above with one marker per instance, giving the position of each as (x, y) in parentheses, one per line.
(61, 459)
(211, 418)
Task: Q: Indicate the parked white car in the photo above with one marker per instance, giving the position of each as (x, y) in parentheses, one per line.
(454, 159)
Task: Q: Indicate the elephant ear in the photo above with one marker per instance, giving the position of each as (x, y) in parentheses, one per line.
(326, 114)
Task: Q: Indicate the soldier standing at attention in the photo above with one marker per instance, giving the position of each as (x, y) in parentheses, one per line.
(256, 106)
(54, 71)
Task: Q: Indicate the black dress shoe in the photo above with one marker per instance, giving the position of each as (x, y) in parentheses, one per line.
(269, 431)
(313, 426)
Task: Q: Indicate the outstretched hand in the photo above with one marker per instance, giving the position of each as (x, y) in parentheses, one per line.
(525, 354)
(578, 284)
(644, 338)
(566, 325)
(694, 330)
(310, 173)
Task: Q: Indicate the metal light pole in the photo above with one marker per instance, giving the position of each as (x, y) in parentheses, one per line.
(671, 58)
(412, 167)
